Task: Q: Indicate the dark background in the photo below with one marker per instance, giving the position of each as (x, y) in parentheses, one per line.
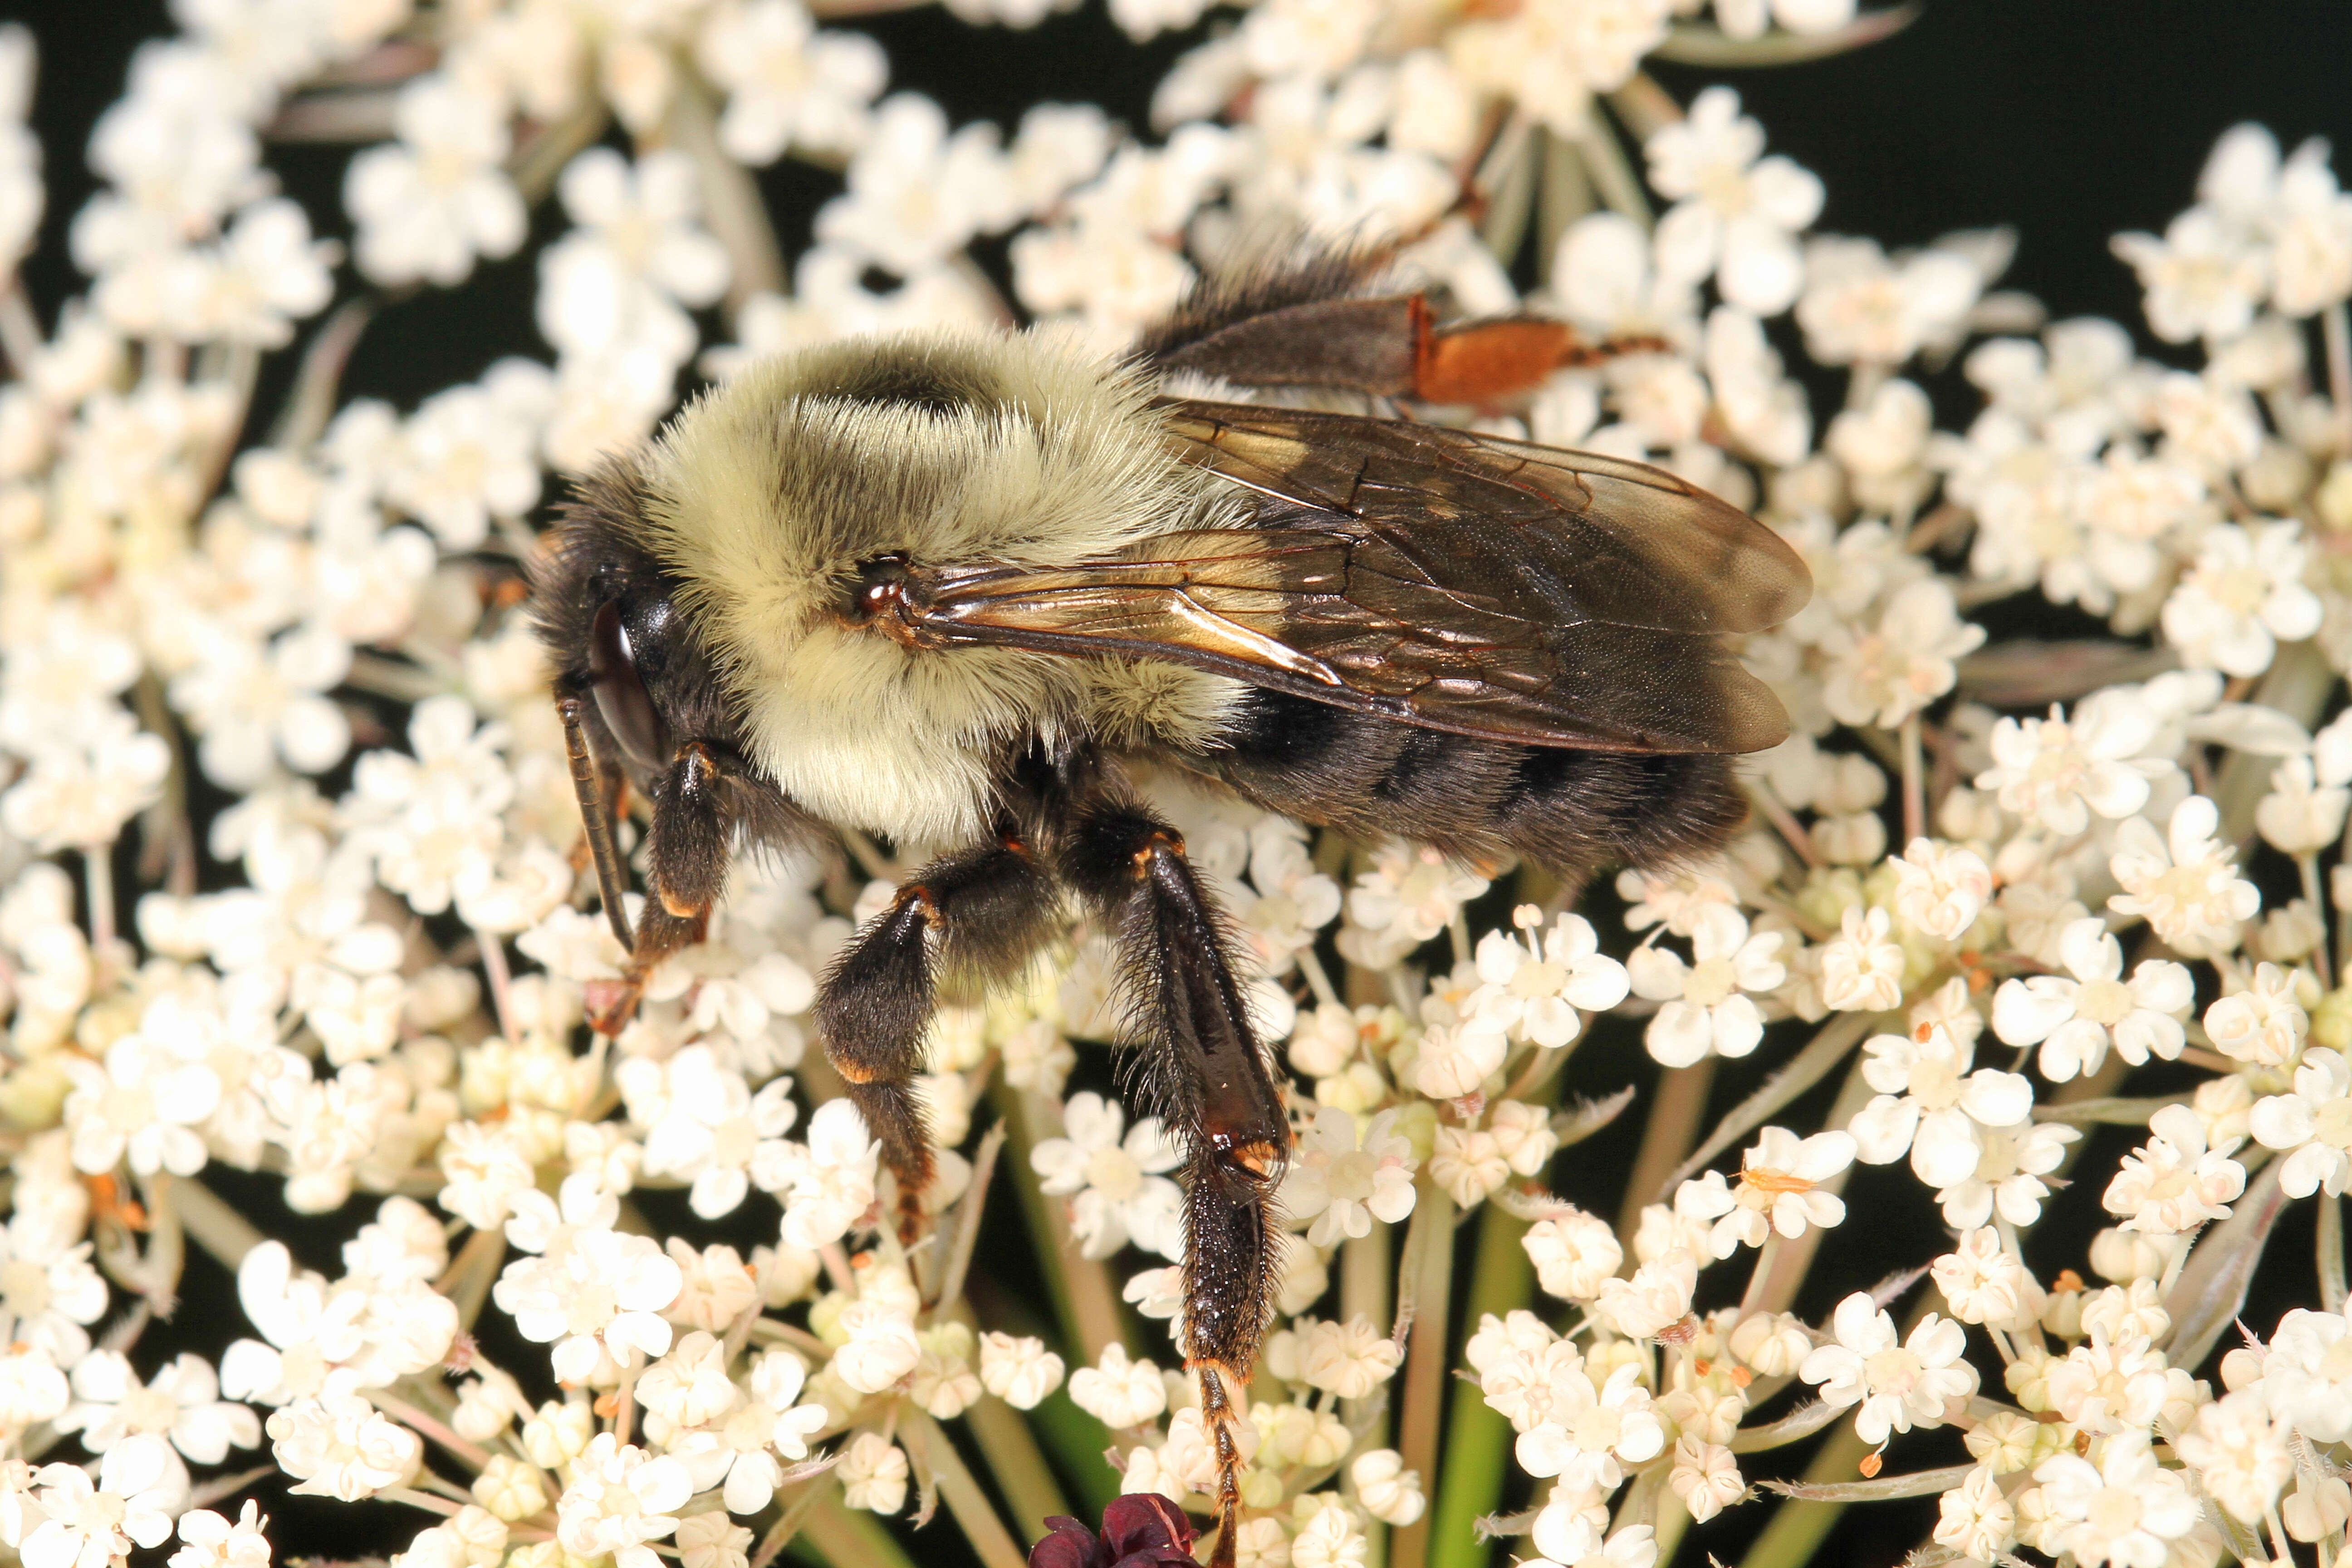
(2070, 121)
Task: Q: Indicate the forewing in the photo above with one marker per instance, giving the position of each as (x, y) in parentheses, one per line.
(1453, 582)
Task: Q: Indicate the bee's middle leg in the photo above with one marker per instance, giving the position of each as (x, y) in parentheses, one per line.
(981, 913)
(1205, 1072)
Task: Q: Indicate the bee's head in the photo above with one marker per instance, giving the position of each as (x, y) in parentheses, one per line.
(620, 631)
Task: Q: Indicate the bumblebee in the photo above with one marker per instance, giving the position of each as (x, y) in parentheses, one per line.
(950, 590)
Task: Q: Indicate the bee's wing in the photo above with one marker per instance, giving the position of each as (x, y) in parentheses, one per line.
(1452, 581)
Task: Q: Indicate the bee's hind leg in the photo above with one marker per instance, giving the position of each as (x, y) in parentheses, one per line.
(1203, 1069)
(979, 913)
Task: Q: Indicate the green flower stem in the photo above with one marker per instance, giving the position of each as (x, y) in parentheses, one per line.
(2331, 1253)
(1674, 1112)
(1797, 1529)
(219, 1229)
(1016, 1462)
(1086, 1305)
(1429, 1279)
(1077, 1441)
(833, 1534)
(973, 1514)
(1477, 1438)
(1787, 1275)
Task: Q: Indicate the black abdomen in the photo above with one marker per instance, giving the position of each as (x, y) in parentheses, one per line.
(1573, 812)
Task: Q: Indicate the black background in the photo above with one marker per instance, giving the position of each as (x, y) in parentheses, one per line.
(2069, 121)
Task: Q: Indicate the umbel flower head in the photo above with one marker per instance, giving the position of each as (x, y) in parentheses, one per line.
(293, 878)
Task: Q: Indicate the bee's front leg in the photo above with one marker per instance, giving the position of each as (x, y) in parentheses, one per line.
(686, 850)
(1204, 1071)
(978, 914)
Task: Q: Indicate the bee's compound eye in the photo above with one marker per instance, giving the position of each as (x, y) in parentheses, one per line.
(621, 695)
(879, 582)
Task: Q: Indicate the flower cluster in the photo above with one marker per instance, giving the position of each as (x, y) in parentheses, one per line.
(287, 691)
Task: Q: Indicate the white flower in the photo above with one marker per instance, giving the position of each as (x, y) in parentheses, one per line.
(2074, 1020)
(2240, 1454)
(2204, 277)
(2183, 883)
(619, 1498)
(917, 194)
(828, 1183)
(182, 1403)
(1735, 213)
(2262, 1022)
(2011, 1163)
(1588, 1431)
(1118, 1188)
(881, 1345)
(1976, 1517)
(1708, 1005)
(341, 1447)
(1574, 1253)
(1343, 1188)
(1390, 1492)
(1550, 57)
(1705, 1477)
(1349, 1359)
(703, 1123)
(2125, 1510)
(1859, 306)
(787, 84)
(2306, 1374)
(1120, 1393)
(873, 1473)
(77, 792)
(2243, 598)
(601, 1296)
(2313, 1124)
(1930, 1105)
(2174, 1183)
(1020, 1371)
(1778, 1190)
(2300, 816)
(84, 1525)
(1532, 990)
(1899, 1386)
(142, 1106)
(430, 204)
(1883, 674)
(1984, 1282)
(212, 1541)
(1862, 970)
(1940, 888)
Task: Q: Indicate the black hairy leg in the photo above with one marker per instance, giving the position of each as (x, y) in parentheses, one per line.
(1200, 1067)
(973, 916)
(686, 850)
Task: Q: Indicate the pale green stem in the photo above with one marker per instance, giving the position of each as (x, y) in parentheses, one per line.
(850, 1538)
(982, 1529)
(20, 331)
(219, 1229)
(1510, 173)
(425, 1500)
(789, 1522)
(1796, 1259)
(1613, 175)
(427, 1426)
(2335, 329)
(1565, 195)
(1318, 981)
(732, 207)
(1089, 1308)
(98, 875)
(167, 1241)
(1469, 1483)
(1019, 1465)
(501, 979)
(1429, 1279)
(2307, 866)
(467, 1279)
(1914, 783)
(1675, 1112)
(311, 404)
(1760, 1275)
(1828, 1047)
(2331, 1253)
